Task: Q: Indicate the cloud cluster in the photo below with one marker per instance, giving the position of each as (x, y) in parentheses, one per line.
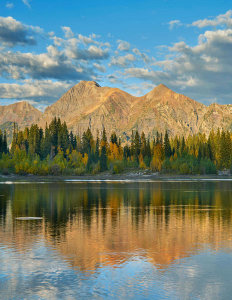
(39, 92)
(53, 65)
(27, 3)
(122, 61)
(202, 71)
(13, 32)
(220, 20)
(123, 45)
(174, 23)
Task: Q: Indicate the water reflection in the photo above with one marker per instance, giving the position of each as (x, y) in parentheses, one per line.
(93, 226)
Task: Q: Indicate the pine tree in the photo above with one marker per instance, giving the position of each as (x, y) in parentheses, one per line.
(5, 149)
(97, 148)
(225, 150)
(113, 138)
(132, 145)
(34, 140)
(143, 144)
(14, 140)
(183, 146)
(87, 141)
(137, 145)
(103, 159)
(167, 146)
(103, 156)
(1, 142)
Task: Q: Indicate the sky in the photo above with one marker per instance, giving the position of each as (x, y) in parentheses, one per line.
(46, 47)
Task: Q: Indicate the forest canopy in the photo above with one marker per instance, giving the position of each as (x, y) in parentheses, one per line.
(57, 151)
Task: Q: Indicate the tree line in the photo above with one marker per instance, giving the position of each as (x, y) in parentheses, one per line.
(56, 151)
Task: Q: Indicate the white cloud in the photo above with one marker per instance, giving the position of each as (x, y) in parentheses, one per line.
(68, 32)
(122, 61)
(174, 23)
(87, 39)
(13, 32)
(223, 19)
(40, 93)
(123, 45)
(142, 55)
(9, 5)
(99, 67)
(53, 64)
(93, 52)
(27, 3)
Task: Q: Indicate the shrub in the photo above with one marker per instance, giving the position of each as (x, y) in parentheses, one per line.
(184, 169)
(117, 167)
(55, 169)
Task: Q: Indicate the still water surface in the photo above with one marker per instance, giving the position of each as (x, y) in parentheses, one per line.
(116, 240)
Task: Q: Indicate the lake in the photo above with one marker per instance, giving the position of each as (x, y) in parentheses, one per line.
(116, 240)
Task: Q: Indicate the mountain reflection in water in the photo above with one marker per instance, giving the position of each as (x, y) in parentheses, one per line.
(97, 225)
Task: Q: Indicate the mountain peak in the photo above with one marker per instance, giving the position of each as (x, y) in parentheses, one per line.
(161, 88)
(21, 106)
(158, 91)
(85, 83)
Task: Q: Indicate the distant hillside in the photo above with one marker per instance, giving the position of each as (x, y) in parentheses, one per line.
(89, 105)
(23, 113)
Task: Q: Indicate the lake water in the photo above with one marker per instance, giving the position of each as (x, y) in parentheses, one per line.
(116, 240)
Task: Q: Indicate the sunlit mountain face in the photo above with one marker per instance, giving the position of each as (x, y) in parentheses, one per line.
(88, 105)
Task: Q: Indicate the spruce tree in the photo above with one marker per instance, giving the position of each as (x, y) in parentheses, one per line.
(103, 159)
(1, 142)
(137, 145)
(182, 148)
(5, 149)
(113, 138)
(103, 156)
(97, 148)
(167, 146)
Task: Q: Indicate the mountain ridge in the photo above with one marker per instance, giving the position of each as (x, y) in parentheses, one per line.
(87, 104)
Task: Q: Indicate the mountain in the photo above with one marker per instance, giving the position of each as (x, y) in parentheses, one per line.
(87, 104)
(22, 113)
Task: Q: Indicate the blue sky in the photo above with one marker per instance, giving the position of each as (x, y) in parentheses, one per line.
(48, 46)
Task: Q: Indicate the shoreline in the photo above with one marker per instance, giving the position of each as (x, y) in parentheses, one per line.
(130, 176)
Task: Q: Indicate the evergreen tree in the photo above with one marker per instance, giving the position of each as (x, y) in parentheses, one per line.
(132, 146)
(103, 156)
(225, 150)
(103, 159)
(114, 139)
(4, 148)
(1, 142)
(167, 146)
(143, 144)
(34, 140)
(126, 152)
(137, 145)
(97, 148)
(14, 140)
(183, 146)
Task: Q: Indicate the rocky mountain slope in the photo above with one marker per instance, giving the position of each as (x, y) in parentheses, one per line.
(89, 105)
(21, 113)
